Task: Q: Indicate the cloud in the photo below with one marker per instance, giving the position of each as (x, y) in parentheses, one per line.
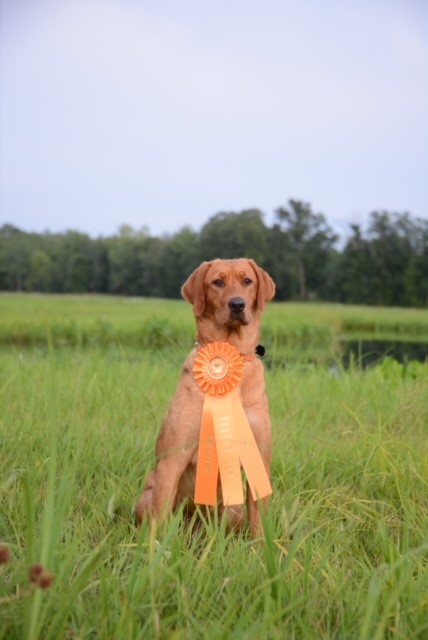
(161, 109)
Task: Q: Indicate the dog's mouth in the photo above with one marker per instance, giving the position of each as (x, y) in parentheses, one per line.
(237, 319)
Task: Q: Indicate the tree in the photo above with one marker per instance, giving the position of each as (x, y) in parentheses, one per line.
(416, 272)
(100, 268)
(234, 235)
(72, 262)
(181, 257)
(40, 276)
(356, 269)
(385, 263)
(392, 238)
(15, 257)
(152, 268)
(125, 256)
(308, 240)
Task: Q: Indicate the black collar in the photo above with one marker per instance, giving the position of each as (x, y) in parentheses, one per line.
(260, 350)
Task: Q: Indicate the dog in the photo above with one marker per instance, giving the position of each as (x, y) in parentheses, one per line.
(228, 298)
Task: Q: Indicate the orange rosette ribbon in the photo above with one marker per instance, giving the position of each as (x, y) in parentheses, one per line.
(218, 368)
(226, 440)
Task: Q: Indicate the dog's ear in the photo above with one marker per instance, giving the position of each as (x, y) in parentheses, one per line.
(193, 289)
(266, 286)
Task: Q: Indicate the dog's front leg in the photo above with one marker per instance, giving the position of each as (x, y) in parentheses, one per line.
(166, 479)
(144, 505)
(160, 489)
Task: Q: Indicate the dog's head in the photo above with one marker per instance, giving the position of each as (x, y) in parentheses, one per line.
(230, 292)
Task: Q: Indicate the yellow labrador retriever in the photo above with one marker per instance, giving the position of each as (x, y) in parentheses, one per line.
(228, 297)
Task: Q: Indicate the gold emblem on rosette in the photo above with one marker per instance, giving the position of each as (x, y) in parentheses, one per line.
(218, 368)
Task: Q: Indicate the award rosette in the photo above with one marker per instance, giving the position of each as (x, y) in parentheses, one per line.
(226, 441)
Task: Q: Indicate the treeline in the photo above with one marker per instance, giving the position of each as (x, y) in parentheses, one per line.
(385, 263)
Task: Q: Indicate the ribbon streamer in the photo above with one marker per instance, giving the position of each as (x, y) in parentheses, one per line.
(226, 440)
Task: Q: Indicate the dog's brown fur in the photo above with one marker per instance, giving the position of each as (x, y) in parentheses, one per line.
(228, 297)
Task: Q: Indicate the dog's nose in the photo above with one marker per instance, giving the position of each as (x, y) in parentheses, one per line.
(237, 305)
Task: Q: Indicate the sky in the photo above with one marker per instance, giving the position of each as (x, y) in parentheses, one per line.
(160, 114)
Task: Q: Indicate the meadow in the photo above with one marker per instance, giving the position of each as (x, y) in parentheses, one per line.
(293, 331)
(84, 383)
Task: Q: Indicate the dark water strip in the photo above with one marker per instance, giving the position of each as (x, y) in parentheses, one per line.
(366, 353)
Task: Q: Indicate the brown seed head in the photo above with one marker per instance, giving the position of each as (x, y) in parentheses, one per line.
(35, 572)
(4, 554)
(45, 580)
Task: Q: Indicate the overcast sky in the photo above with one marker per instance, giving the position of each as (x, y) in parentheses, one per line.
(162, 113)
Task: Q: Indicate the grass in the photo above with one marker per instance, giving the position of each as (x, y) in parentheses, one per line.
(346, 536)
(346, 542)
(38, 320)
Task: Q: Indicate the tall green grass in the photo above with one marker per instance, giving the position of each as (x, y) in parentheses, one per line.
(346, 536)
(37, 320)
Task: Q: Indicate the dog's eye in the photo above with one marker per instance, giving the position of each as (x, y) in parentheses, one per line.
(247, 281)
(218, 282)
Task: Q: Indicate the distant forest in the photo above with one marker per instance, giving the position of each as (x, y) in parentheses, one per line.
(386, 263)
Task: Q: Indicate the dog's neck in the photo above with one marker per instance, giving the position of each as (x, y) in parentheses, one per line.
(244, 338)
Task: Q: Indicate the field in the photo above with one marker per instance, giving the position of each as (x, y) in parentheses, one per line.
(84, 382)
(35, 320)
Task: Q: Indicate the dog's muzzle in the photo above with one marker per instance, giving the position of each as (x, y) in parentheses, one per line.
(237, 309)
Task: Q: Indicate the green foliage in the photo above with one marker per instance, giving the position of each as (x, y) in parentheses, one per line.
(308, 242)
(389, 265)
(385, 265)
(233, 235)
(40, 277)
